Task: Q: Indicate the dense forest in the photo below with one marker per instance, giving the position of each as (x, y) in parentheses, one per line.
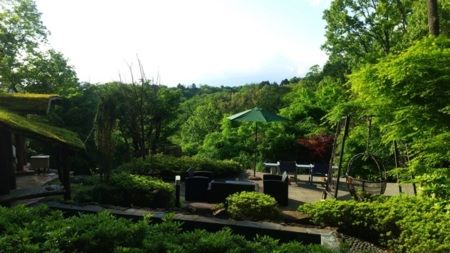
(388, 62)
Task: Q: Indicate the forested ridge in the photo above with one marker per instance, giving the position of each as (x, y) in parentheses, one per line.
(385, 59)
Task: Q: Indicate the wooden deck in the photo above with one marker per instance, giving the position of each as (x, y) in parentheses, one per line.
(30, 193)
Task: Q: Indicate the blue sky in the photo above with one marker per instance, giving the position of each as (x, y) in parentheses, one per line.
(213, 42)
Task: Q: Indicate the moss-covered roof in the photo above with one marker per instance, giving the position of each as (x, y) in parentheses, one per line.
(38, 130)
(27, 103)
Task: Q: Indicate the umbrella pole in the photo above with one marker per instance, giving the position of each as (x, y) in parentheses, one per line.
(256, 147)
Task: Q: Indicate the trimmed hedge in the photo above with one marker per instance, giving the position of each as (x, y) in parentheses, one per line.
(41, 230)
(404, 224)
(130, 190)
(167, 167)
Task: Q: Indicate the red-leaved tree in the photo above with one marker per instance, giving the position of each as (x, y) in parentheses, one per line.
(320, 147)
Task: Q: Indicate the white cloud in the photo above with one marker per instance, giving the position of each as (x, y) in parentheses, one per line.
(197, 41)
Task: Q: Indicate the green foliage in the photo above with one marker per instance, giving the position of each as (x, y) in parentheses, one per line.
(49, 72)
(364, 31)
(207, 133)
(76, 112)
(392, 221)
(24, 65)
(418, 19)
(167, 167)
(41, 230)
(435, 185)
(409, 94)
(105, 124)
(252, 206)
(21, 32)
(145, 112)
(130, 190)
(204, 119)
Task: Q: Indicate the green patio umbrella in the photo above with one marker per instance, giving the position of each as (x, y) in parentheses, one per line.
(256, 115)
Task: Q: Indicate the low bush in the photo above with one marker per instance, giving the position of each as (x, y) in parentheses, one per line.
(42, 230)
(252, 206)
(404, 224)
(166, 167)
(130, 190)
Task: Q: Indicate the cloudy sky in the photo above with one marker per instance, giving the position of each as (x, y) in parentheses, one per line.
(213, 42)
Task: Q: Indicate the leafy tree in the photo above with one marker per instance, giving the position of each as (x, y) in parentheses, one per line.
(76, 112)
(418, 19)
(105, 124)
(145, 112)
(163, 110)
(204, 120)
(234, 143)
(363, 31)
(25, 65)
(21, 33)
(49, 73)
(409, 93)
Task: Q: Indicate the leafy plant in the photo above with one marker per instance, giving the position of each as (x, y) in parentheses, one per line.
(252, 206)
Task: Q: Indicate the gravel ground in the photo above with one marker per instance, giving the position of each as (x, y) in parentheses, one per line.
(357, 245)
(353, 244)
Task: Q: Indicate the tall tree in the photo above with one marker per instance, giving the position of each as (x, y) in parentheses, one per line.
(105, 124)
(21, 33)
(26, 63)
(362, 31)
(48, 72)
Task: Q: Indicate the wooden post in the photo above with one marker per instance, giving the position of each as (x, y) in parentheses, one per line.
(65, 173)
(5, 161)
(20, 151)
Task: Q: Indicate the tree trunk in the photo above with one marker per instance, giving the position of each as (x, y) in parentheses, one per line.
(433, 19)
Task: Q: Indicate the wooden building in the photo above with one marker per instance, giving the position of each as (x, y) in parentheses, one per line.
(19, 120)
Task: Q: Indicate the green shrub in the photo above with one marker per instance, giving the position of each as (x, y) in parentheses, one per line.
(130, 190)
(252, 206)
(405, 224)
(167, 167)
(41, 230)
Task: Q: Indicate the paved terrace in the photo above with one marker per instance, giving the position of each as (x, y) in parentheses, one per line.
(305, 192)
(299, 193)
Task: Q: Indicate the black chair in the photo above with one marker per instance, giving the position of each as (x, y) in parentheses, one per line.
(319, 169)
(274, 177)
(189, 172)
(289, 167)
(275, 187)
(196, 189)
